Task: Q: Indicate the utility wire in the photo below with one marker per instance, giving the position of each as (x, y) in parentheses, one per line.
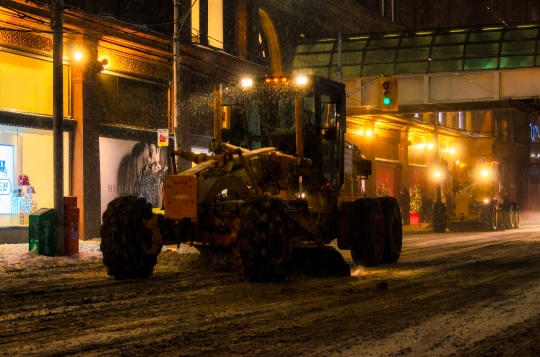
(497, 16)
(473, 82)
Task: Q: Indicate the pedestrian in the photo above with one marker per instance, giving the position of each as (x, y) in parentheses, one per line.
(426, 210)
(405, 204)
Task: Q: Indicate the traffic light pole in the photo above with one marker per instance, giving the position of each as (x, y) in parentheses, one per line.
(57, 27)
(436, 140)
(438, 192)
(340, 58)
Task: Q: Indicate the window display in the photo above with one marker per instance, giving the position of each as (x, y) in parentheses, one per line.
(22, 205)
(26, 173)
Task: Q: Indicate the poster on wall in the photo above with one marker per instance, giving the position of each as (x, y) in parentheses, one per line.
(131, 168)
(6, 178)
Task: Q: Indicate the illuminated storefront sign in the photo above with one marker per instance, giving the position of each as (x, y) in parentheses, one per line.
(6, 178)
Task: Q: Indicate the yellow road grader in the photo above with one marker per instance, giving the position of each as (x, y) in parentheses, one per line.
(479, 201)
(281, 192)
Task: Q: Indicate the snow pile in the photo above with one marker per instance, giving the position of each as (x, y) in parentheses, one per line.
(183, 249)
(17, 256)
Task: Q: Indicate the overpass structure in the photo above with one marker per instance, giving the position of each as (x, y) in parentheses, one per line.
(472, 68)
(468, 80)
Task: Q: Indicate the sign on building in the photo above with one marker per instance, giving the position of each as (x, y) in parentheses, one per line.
(163, 137)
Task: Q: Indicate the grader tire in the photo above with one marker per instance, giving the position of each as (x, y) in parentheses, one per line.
(124, 237)
(367, 232)
(516, 215)
(508, 216)
(393, 229)
(490, 218)
(439, 217)
(264, 239)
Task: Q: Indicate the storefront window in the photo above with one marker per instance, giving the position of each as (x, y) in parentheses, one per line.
(26, 173)
(26, 84)
(213, 19)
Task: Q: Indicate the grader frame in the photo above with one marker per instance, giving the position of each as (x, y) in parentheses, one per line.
(261, 202)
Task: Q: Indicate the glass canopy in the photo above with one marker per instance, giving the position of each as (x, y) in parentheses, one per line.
(488, 47)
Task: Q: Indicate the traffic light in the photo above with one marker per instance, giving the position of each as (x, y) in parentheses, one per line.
(388, 94)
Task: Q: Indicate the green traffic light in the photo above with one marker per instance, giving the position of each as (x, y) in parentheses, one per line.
(386, 101)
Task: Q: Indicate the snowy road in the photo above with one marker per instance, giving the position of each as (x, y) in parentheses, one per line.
(462, 294)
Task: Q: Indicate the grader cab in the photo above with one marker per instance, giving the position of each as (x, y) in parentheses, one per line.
(280, 192)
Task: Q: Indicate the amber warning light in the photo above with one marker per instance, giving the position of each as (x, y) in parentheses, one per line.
(276, 80)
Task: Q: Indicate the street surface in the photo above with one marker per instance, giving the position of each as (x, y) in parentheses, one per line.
(452, 294)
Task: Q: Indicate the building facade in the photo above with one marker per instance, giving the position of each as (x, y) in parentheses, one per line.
(118, 88)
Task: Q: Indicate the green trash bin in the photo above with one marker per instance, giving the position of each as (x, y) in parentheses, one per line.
(42, 233)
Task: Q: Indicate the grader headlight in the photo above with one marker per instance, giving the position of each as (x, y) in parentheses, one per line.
(247, 82)
(301, 80)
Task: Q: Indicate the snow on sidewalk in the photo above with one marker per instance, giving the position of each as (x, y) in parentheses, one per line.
(17, 256)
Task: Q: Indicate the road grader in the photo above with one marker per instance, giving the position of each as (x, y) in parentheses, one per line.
(479, 201)
(280, 192)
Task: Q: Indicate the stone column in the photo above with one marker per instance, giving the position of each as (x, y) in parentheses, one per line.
(86, 169)
(404, 159)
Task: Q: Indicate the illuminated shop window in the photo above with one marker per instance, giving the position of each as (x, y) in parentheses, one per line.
(26, 84)
(195, 20)
(26, 173)
(214, 21)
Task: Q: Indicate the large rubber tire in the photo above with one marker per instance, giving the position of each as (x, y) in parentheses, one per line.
(367, 232)
(516, 215)
(508, 216)
(490, 218)
(439, 217)
(393, 229)
(124, 238)
(264, 239)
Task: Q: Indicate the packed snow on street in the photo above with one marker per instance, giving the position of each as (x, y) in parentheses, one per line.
(461, 294)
